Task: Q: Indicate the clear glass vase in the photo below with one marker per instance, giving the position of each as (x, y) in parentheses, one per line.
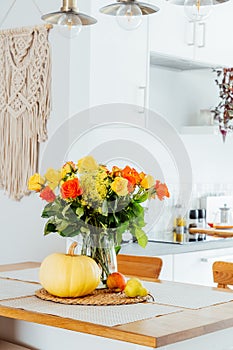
(100, 245)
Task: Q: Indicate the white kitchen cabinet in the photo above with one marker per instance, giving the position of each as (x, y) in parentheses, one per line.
(118, 61)
(213, 36)
(169, 32)
(167, 268)
(196, 267)
(207, 41)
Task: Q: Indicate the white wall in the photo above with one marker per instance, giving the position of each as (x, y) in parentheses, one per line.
(21, 235)
(179, 96)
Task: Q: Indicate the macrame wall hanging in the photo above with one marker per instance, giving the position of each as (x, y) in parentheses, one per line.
(25, 90)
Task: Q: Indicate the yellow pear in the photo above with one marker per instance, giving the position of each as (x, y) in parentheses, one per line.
(143, 292)
(134, 288)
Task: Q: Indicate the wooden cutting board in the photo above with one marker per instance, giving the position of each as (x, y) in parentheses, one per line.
(224, 233)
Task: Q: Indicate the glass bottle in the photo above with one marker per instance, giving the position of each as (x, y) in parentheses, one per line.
(179, 230)
(225, 215)
(201, 223)
(193, 223)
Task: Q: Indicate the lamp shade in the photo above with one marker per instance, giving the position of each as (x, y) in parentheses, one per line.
(112, 9)
(69, 8)
(54, 17)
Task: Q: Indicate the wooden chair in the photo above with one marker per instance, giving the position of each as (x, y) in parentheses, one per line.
(223, 273)
(144, 267)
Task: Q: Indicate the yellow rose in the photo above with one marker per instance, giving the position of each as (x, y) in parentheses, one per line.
(67, 168)
(63, 172)
(53, 177)
(120, 186)
(87, 164)
(147, 182)
(35, 182)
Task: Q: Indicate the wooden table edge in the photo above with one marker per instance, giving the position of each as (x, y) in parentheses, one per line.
(78, 326)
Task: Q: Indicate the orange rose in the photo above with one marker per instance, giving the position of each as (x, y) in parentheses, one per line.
(47, 194)
(131, 175)
(161, 190)
(71, 189)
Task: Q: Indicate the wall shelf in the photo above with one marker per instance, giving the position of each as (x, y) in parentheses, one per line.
(178, 63)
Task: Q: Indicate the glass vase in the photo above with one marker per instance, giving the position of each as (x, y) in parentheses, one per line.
(100, 245)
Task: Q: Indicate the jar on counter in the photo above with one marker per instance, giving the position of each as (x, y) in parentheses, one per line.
(193, 223)
(179, 230)
(201, 223)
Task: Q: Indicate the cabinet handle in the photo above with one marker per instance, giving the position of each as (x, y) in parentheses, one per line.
(217, 258)
(141, 99)
(192, 27)
(203, 25)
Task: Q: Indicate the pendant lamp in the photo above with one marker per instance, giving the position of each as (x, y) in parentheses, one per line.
(197, 10)
(112, 9)
(69, 19)
(129, 12)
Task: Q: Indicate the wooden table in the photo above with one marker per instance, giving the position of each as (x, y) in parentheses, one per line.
(150, 333)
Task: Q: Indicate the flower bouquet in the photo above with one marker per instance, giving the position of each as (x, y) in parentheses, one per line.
(98, 203)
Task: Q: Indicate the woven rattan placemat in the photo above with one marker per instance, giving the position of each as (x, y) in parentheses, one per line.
(97, 297)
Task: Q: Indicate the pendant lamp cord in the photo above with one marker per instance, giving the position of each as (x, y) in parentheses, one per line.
(11, 7)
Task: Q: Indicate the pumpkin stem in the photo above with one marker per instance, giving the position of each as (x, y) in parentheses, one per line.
(72, 248)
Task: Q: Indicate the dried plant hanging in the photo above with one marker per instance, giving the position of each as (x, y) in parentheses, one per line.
(223, 113)
(25, 90)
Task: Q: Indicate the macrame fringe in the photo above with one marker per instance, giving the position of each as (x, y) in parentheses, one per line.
(25, 104)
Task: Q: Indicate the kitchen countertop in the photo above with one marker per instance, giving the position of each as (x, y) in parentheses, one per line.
(162, 248)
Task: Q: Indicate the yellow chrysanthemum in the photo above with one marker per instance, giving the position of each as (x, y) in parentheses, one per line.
(90, 194)
(53, 177)
(120, 186)
(35, 182)
(102, 182)
(87, 164)
(147, 182)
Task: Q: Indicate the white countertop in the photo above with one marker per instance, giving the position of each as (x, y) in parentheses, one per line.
(157, 248)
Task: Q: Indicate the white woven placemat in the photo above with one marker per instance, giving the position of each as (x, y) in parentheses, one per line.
(103, 315)
(14, 289)
(186, 295)
(168, 293)
(30, 275)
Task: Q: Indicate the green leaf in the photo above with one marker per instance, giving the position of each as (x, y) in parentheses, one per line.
(62, 225)
(64, 211)
(141, 237)
(123, 227)
(117, 249)
(49, 227)
(137, 209)
(79, 212)
(70, 231)
(52, 209)
(142, 198)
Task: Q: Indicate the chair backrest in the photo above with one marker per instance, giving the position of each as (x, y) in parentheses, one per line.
(144, 267)
(223, 273)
